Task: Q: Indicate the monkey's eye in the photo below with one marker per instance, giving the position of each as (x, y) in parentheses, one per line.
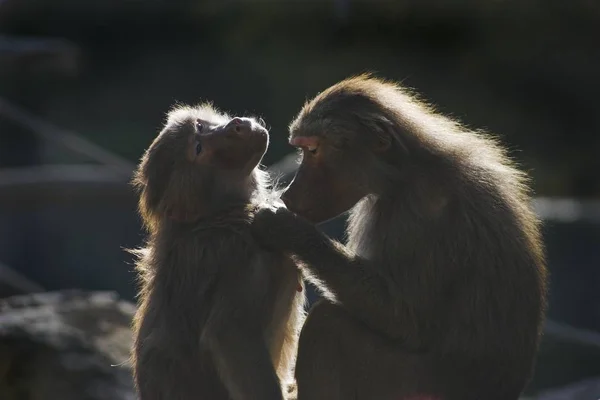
(312, 149)
(199, 126)
(198, 148)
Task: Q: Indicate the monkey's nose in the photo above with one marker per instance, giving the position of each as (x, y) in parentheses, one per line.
(240, 125)
(245, 127)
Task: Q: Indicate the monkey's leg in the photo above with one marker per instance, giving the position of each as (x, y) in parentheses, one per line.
(340, 358)
(318, 372)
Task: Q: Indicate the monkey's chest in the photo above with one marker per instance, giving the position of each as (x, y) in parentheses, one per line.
(285, 281)
(286, 316)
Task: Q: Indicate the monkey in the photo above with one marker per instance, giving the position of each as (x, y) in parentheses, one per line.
(218, 317)
(441, 289)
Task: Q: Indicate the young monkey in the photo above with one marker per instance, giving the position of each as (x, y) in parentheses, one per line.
(218, 316)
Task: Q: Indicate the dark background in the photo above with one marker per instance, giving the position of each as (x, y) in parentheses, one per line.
(108, 71)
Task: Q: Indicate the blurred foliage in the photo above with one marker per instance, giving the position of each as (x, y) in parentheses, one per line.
(526, 70)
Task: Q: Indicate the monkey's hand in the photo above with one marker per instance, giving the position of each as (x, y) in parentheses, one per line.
(280, 229)
(351, 280)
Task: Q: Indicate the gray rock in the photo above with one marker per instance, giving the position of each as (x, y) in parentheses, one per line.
(68, 345)
(588, 389)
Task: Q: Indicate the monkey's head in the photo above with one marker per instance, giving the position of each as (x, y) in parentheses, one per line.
(200, 162)
(348, 137)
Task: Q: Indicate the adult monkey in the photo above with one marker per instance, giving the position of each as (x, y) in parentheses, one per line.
(441, 290)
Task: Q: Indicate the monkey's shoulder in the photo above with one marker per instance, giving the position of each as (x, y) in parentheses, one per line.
(235, 245)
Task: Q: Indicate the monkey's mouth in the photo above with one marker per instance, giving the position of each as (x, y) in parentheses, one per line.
(260, 134)
(257, 140)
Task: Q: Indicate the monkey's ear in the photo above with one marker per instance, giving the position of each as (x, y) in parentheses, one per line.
(382, 128)
(383, 142)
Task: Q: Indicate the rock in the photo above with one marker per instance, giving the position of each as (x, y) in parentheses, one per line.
(69, 345)
(584, 390)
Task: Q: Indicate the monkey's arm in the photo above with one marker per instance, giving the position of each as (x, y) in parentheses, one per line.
(354, 282)
(235, 338)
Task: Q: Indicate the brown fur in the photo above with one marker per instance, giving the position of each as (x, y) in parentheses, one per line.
(441, 289)
(218, 316)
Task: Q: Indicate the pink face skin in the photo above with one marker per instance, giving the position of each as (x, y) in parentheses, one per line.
(308, 142)
(314, 193)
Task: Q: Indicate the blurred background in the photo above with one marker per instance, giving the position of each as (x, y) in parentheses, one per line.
(85, 86)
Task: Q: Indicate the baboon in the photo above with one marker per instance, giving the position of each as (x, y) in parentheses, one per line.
(218, 316)
(440, 292)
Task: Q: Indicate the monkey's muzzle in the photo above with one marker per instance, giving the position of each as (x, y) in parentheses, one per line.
(245, 127)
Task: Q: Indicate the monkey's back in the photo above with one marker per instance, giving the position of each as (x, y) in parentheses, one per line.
(483, 255)
(193, 271)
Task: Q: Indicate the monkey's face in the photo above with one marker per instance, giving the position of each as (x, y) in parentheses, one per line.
(325, 184)
(236, 146)
(201, 160)
(345, 138)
